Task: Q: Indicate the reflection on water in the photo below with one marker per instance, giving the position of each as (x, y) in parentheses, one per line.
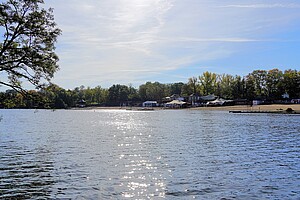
(116, 154)
(139, 176)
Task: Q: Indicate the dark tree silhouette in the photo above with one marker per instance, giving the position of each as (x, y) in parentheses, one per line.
(28, 34)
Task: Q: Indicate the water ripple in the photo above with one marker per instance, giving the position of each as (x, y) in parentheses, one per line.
(148, 155)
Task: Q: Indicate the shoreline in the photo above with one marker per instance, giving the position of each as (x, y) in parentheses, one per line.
(247, 108)
(271, 107)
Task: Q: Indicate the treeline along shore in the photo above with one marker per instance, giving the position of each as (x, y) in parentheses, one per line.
(268, 87)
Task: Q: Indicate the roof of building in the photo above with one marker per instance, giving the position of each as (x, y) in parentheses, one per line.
(209, 97)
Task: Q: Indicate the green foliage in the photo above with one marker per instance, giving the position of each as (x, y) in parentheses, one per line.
(225, 86)
(291, 83)
(153, 91)
(27, 44)
(118, 94)
(259, 84)
(208, 83)
(274, 84)
(175, 88)
(259, 77)
(238, 88)
(192, 85)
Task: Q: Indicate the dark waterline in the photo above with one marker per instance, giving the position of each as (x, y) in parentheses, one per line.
(113, 154)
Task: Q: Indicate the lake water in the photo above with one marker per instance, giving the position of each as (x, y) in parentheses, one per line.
(171, 154)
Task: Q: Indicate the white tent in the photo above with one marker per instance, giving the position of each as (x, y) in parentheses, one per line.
(218, 102)
(175, 104)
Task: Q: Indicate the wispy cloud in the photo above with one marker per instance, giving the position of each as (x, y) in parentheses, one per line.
(276, 5)
(127, 41)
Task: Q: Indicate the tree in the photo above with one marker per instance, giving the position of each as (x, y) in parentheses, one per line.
(118, 94)
(57, 97)
(250, 87)
(193, 84)
(27, 43)
(176, 88)
(100, 95)
(208, 82)
(259, 77)
(153, 91)
(274, 81)
(186, 90)
(225, 86)
(238, 90)
(291, 83)
(133, 94)
(11, 99)
(89, 95)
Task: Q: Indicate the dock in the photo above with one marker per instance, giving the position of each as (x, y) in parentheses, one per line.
(268, 112)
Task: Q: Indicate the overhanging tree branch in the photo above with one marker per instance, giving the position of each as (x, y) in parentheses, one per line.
(27, 50)
(15, 87)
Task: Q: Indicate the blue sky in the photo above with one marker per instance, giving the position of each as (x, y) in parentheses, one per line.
(133, 41)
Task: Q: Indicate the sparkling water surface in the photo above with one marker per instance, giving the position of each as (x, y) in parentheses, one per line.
(171, 154)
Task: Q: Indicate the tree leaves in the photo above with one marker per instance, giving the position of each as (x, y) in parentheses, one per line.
(27, 45)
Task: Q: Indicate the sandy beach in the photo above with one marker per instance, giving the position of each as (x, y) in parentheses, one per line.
(272, 107)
